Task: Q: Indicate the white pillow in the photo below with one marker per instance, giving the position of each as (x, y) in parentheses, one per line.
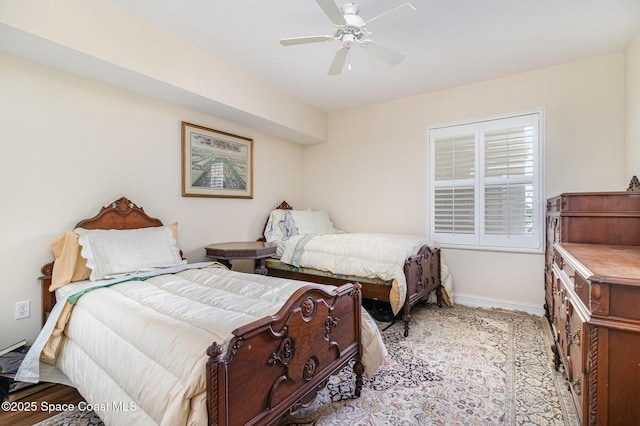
(313, 222)
(111, 253)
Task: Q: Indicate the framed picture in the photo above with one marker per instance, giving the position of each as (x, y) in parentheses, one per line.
(215, 163)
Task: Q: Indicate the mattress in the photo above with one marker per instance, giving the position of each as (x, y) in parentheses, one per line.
(273, 263)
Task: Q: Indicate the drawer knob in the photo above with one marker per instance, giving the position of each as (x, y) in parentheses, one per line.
(576, 385)
(575, 338)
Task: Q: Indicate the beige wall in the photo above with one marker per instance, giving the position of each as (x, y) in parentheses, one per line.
(71, 145)
(60, 131)
(632, 108)
(372, 174)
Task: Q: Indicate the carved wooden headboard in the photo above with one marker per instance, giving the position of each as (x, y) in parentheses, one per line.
(120, 214)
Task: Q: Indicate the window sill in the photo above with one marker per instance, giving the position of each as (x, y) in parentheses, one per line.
(492, 249)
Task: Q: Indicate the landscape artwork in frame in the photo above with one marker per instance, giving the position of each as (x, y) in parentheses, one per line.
(215, 163)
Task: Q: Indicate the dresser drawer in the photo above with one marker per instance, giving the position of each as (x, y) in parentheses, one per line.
(577, 343)
(575, 281)
(572, 273)
(571, 336)
(582, 287)
(559, 317)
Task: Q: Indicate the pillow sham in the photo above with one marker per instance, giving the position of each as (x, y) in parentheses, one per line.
(112, 253)
(313, 222)
(69, 265)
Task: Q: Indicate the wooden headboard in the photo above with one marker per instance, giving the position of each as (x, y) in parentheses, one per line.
(283, 206)
(120, 214)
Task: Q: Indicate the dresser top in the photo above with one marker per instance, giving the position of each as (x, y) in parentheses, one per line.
(607, 263)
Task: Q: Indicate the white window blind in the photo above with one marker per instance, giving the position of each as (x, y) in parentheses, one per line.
(485, 183)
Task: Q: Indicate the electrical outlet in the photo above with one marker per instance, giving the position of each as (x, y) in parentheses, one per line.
(22, 309)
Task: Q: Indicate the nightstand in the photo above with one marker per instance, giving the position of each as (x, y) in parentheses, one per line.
(257, 250)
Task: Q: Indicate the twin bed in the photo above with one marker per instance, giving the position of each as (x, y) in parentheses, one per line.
(172, 343)
(400, 270)
(154, 340)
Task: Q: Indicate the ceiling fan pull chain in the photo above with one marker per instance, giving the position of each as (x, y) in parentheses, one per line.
(349, 59)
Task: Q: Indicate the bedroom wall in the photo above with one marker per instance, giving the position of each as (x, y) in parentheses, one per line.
(97, 38)
(378, 177)
(71, 145)
(632, 108)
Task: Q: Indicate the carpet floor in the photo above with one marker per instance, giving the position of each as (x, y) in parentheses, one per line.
(459, 365)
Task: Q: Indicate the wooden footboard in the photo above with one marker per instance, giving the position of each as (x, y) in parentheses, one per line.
(422, 273)
(274, 365)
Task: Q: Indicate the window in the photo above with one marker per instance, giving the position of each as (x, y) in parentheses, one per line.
(485, 183)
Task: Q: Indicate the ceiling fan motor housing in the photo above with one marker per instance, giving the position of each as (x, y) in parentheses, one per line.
(350, 9)
(353, 31)
(348, 40)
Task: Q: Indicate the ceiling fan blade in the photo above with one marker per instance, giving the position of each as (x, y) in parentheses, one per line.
(304, 40)
(389, 56)
(390, 18)
(338, 61)
(332, 11)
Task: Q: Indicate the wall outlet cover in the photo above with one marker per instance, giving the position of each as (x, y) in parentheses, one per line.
(23, 309)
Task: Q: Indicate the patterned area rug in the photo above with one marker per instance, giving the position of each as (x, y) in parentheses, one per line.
(459, 365)
(73, 418)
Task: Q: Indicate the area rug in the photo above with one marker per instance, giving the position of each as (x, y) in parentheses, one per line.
(459, 365)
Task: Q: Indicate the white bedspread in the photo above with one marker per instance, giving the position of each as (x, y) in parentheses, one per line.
(137, 348)
(364, 255)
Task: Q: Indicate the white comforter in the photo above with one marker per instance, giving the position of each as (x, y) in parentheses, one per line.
(136, 350)
(363, 255)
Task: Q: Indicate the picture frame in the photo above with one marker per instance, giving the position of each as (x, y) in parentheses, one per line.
(216, 163)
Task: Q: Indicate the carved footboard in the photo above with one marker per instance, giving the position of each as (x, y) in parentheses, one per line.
(275, 364)
(422, 272)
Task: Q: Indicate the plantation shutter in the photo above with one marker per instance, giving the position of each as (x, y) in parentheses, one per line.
(508, 190)
(455, 193)
(485, 183)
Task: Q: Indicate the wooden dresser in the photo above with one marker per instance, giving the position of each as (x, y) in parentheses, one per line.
(592, 301)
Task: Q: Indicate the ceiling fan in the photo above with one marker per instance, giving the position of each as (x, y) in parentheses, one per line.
(351, 29)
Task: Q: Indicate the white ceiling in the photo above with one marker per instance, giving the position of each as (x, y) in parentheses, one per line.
(450, 42)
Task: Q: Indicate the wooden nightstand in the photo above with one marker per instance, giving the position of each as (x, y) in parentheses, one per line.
(258, 250)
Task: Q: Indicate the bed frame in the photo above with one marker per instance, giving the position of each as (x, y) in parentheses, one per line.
(272, 366)
(422, 272)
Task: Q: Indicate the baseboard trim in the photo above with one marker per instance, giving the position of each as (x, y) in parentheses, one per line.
(474, 301)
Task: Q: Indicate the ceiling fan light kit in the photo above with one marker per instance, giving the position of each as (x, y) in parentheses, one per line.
(351, 29)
